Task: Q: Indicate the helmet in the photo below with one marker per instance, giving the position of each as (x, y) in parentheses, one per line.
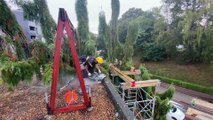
(99, 60)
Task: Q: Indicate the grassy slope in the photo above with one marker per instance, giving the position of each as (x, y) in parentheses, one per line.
(199, 73)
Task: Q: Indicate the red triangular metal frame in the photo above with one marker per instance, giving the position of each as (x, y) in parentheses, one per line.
(64, 23)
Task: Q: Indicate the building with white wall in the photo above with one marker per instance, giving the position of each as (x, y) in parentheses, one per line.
(32, 29)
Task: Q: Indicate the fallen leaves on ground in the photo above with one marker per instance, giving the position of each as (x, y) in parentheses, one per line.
(23, 104)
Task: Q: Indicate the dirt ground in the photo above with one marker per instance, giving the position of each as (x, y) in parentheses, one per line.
(27, 103)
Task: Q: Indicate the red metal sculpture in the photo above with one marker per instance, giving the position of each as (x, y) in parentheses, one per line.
(64, 23)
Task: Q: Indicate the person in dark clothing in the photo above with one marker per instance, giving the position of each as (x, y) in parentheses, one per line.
(89, 64)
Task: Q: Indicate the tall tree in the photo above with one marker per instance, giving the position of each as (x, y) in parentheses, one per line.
(38, 10)
(189, 19)
(124, 21)
(102, 36)
(196, 20)
(131, 14)
(146, 26)
(164, 36)
(130, 40)
(115, 4)
(83, 20)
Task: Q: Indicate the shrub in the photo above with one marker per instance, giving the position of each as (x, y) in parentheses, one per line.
(3, 59)
(90, 47)
(192, 86)
(40, 52)
(153, 52)
(145, 75)
(14, 72)
(167, 94)
(104, 71)
(188, 56)
(105, 65)
(127, 65)
(120, 51)
(163, 106)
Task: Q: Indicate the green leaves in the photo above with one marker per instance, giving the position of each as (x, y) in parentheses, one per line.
(115, 5)
(90, 48)
(145, 75)
(38, 11)
(40, 52)
(47, 76)
(103, 38)
(83, 23)
(14, 72)
(168, 94)
(3, 59)
(8, 21)
(130, 39)
(153, 52)
(190, 22)
(163, 105)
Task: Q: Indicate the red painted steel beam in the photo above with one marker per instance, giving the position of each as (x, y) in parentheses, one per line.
(76, 62)
(69, 108)
(56, 63)
(64, 23)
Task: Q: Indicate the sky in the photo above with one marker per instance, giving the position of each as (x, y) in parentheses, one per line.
(95, 6)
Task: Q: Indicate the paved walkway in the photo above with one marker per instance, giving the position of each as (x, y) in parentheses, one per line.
(184, 96)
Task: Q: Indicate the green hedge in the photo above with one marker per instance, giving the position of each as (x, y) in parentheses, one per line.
(180, 83)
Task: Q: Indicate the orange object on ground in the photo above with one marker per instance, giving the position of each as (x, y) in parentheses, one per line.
(71, 97)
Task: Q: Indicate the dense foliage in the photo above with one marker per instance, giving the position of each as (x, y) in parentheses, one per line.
(90, 48)
(163, 105)
(20, 68)
(153, 52)
(145, 75)
(130, 40)
(8, 22)
(47, 76)
(115, 5)
(83, 23)
(192, 20)
(14, 72)
(125, 20)
(14, 36)
(38, 10)
(102, 39)
(186, 23)
(14, 47)
(40, 52)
